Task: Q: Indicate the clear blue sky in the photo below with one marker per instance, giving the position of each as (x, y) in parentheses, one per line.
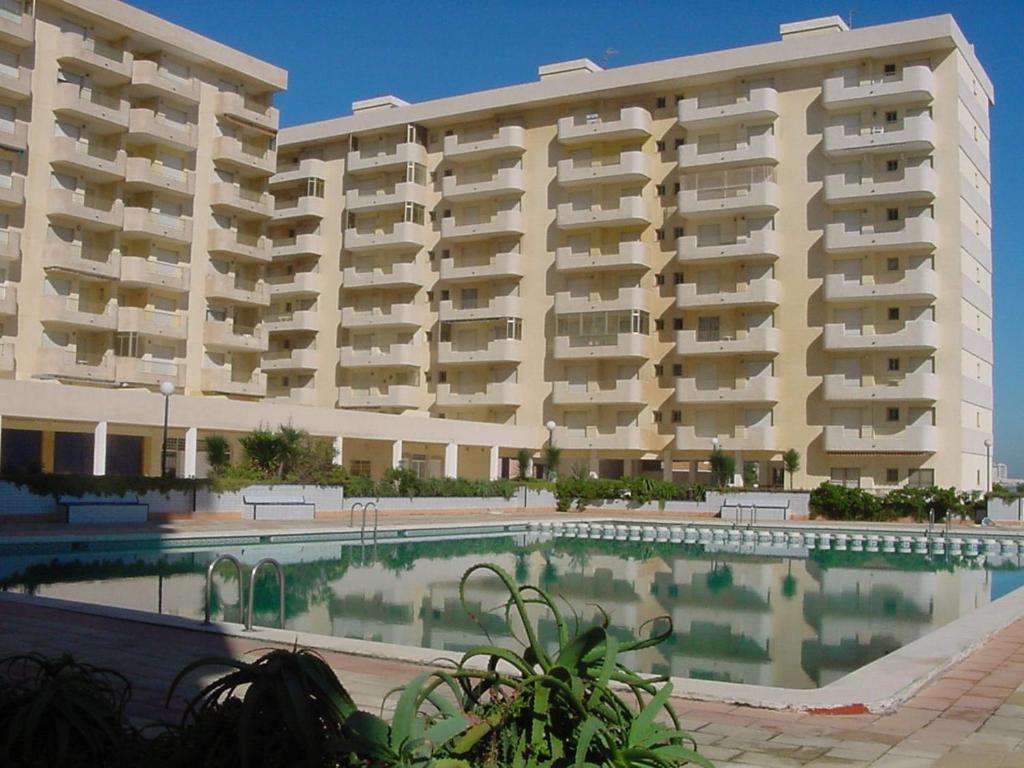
(336, 52)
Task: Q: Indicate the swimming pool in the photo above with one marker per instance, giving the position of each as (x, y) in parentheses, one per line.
(747, 607)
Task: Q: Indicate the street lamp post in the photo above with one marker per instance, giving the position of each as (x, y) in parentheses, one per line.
(166, 389)
(988, 464)
(551, 432)
(714, 472)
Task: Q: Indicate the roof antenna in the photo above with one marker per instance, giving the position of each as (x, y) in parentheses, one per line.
(608, 53)
(849, 18)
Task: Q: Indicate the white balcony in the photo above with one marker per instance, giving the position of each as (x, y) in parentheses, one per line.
(106, 62)
(91, 161)
(495, 351)
(760, 389)
(88, 211)
(307, 320)
(765, 291)
(632, 255)
(226, 382)
(290, 209)
(296, 284)
(240, 245)
(630, 123)
(246, 157)
(912, 439)
(504, 182)
(761, 244)
(17, 25)
(914, 85)
(509, 140)
(90, 263)
(497, 306)
(298, 170)
(625, 346)
(756, 341)
(236, 200)
(630, 212)
(146, 126)
(16, 87)
(918, 233)
(62, 363)
(757, 150)
(151, 322)
(248, 110)
(505, 394)
(739, 438)
(151, 225)
(917, 284)
(922, 386)
(502, 224)
(300, 245)
(356, 200)
(10, 245)
(759, 105)
(760, 199)
(14, 136)
(150, 273)
(915, 134)
(150, 80)
(392, 396)
(915, 334)
(500, 265)
(6, 358)
(78, 313)
(225, 334)
(620, 392)
(236, 290)
(919, 182)
(393, 316)
(398, 275)
(102, 112)
(394, 158)
(12, 191)
(612, 300)
(631, 167)
(141, 173)
(148, 371)
(393, 356)
(296, 359)
(610, 438)
(8, 300)
(404, 235)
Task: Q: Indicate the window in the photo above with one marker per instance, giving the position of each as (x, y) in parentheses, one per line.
(892, 264)
(677, 369)
(678, 231)
(360, 467)
(678, 187)
(845, 476)
(707, 329)
(445, 294)
(657, 417)
(430, 296)
(659, 234)
(442, 377)
(892, 476)
(679, 143)
(677, 278)
(432, 254)
(660, 146)
(660, 102)
(892, 414)
(659, 325)
(892, 165)
(892, 214)
(677, 323)
(659, 279)
(659, 370)
(921, 478)
(892, 116)
(677, 417)
(890, 69)
(894, 364)
(661, 190)
(894, 313)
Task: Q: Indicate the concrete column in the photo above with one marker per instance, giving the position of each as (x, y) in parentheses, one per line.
(191, 451)
(99, 449)
(494, 462)
(693, 471)
(451, 460)
(737, 479)
(396, 454)
(666, 466)
(594, 464)
(46, 450)
(339, 457)
(1, 438)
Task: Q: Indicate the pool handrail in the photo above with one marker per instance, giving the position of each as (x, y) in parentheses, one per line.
(209, 584)
(252, 591)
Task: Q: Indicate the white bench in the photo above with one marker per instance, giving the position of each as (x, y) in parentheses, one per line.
(103, 509)
(279, 504)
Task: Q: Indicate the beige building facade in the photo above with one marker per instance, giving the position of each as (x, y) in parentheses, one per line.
(780, 246)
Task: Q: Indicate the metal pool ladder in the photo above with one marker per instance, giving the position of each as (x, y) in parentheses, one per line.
(247, 620)
(209, 585)
(252, 590)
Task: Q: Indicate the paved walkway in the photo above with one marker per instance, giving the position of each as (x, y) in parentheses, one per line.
(970, 717)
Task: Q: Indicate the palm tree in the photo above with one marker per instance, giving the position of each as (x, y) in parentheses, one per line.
(552, 454)
(523, 457)
(791, 461)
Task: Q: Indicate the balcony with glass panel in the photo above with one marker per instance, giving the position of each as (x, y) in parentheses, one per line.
(603, 335)
(732, 191)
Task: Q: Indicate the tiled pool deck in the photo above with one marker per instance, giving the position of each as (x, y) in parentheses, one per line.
(971, 716)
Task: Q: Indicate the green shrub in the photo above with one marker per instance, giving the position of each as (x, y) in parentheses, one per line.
(218, 452)
(101, 485)
(523, 457)
(723, 468)
(837, 502)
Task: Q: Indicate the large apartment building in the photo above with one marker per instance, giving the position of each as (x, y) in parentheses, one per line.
(780, 246)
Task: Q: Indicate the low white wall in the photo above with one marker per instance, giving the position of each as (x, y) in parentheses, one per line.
(1003, 510)
(18, 502)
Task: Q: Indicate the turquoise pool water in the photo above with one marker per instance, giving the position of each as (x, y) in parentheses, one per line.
(798, 618)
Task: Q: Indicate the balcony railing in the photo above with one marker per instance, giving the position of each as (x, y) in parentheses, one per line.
(300, 245)
(739, 438)
(712, 110)
(918, 233)
(238, 290)
(226, 381)
(251, 247)
(137, 271)
(105, 113)
(627, 346)
(760, 389)
(295, 359)
(627, 123)
(295, 284)
(8, 300)
(911, 439)
(151, 175)
(762, 243)
(506, 394)
(509, 140)
(393, 315)
(760, 149)
(235, 336)
(295, 320)
(630, 167)
(16, 83)
(248, 110)
(750, 191)
(395, 157)
(17, 24)
(153, 225)
(10, 245)
(505, 182)
(621, 392)
(919, 283)
(915, 183)
(410, 273)
(104, 61)
(375, 200)
(755, 341)
(247, 157)
(916, 133)
(913, 334)
(79, 312)
(89, 159)
(404, 234)
(65, 363)
(631, 438)
(303, 207)
(500, 265)
(625, 298)
(150, 79)
(242, 201)
(6, 357)
(152, 322)
(632, 255)
(89, 210)
(139, 370)
(631, 211)
(152, 127)
(292, 171)
(95, 263)
(495, 307)
(493, 351)
(765, 291)
(390, 396)
(919, 386)
(503, 223)
(914, 84)
(392, 355)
